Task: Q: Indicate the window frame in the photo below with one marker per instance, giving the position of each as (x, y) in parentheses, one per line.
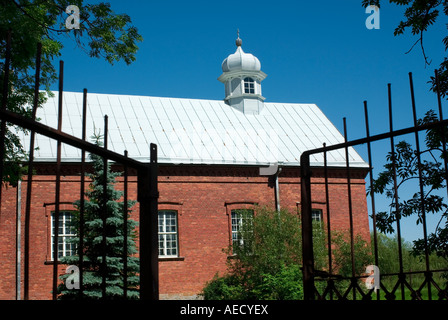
(230, 204)
(317, 216)
(238, 225)
(249, 85)
(166, 233)
(64, 236)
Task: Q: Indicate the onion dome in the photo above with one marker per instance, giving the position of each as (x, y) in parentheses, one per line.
(241, 61)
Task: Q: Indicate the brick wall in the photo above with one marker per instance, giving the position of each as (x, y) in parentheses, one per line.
(203, 196)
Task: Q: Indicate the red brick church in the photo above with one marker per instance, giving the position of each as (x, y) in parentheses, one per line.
(215, 157)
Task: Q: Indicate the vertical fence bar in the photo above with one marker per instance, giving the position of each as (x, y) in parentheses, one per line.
(154, 213)
(82, 196)
(439, 103)
(36, 82)
(5, 87)
(307, 227)
(125, 230)
(148, 197)
(18, 240)
(372, 193)
(5, 90)
(327, 200)
(422, 196)
(58, 184)
(30, 174)
(444, 154)
(104, 214)
(397, 206)
(350, 208)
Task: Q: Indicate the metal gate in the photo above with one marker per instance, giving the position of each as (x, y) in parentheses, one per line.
(328, 284)
(147, 174)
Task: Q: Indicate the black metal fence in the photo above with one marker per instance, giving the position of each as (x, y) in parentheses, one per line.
(147, 186)
(328, 284)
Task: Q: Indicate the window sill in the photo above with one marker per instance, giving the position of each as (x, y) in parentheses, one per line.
(171, 258)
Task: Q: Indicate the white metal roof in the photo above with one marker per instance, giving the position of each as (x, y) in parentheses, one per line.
(193, 131)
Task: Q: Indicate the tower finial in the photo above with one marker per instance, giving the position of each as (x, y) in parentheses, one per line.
(238, 41)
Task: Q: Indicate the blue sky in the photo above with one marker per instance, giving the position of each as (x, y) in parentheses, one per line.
(312, 51)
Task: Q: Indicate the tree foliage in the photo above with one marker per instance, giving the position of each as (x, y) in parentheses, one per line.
(93, 248)
(101, 34)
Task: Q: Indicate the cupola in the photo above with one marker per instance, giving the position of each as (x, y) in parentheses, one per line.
(242, 77)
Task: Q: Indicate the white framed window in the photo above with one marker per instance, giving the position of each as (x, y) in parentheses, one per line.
(238, 218)
(65, 233)
(316, 215)
(249, 85)
(168, 236)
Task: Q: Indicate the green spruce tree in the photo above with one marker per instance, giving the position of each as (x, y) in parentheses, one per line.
(93, 268)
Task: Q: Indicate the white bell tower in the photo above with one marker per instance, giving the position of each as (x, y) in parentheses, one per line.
(242, 78)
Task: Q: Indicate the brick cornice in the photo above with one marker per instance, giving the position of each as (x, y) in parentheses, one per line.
(71, 169)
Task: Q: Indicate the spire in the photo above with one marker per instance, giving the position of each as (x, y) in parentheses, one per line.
(238, 41)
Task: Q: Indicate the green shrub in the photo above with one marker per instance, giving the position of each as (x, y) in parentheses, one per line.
(223, 288)
(266, 263)
(284, 285)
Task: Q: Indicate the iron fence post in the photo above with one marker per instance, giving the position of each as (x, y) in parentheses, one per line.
(58, 184)
(4, 102)
(148, 197)
(307, 227)
(420, 179)
(372, 193)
